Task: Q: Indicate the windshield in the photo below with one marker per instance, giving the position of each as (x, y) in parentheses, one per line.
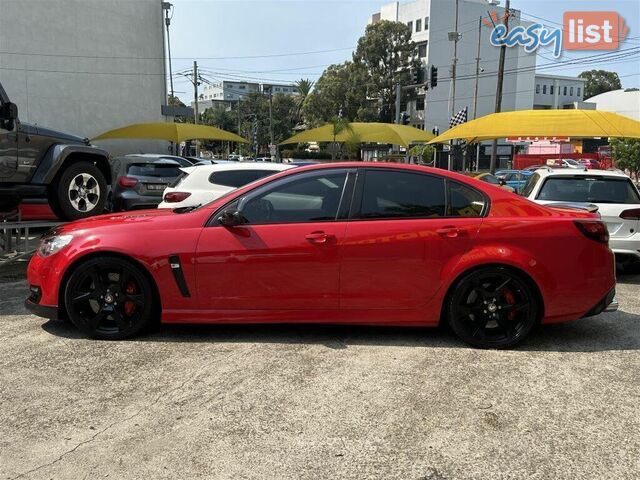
(589, 190)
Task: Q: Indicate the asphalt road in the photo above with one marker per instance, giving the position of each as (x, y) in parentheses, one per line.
(318, 402)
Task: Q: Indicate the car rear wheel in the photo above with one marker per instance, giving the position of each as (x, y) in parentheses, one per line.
(80, 192)
(109, 299)
(492, 308)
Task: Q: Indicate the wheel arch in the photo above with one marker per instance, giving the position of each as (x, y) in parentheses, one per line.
(517, 270)
(62, 310)
(59, 156)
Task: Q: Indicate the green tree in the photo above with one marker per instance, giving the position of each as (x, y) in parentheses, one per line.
(423, 152)
(304, 87)
(220, 117)
(626, 154)
(388, 54)
(599, 81)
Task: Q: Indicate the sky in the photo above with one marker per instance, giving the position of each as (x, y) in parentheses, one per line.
(285, 40)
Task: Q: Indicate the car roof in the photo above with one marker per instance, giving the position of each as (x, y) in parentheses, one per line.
(208, 169)
(553, 172)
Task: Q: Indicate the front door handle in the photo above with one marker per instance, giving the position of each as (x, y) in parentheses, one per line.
(319, 237)
(450, 231)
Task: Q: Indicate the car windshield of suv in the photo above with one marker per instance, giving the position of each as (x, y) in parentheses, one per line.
(588, 189)
(158, 170)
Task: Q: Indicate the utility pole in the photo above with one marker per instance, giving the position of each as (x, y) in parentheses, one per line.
(456, 37)
(271, 144)
(503, 51)
(167, 21)
(398, 95)
(475, 93)
(195, 98)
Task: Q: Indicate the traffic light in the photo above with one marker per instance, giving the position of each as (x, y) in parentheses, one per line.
(433, 76)
(404, 118)
(414, 76)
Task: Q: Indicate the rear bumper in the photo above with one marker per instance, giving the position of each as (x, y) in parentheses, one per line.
(628, 248)
(135, 202)
(607, 304)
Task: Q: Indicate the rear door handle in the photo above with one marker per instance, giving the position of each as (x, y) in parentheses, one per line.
(319, 237)
(450, 231)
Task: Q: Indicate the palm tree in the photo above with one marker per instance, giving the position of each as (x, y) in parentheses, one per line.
(338, 125)
(304, 86)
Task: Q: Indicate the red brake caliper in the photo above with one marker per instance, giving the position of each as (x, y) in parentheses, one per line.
(130, 307)
(511, 300)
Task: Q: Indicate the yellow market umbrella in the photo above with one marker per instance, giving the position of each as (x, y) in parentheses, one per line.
(544, 123)
(172, 132)
(364, 132)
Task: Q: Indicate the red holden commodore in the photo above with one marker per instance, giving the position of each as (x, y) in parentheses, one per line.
(343, 243)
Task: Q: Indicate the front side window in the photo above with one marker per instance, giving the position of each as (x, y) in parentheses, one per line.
(389, 194)
(238, 178)
(310, 199)
(589, 189)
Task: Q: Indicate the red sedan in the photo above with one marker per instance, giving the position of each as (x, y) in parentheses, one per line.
(346, 243)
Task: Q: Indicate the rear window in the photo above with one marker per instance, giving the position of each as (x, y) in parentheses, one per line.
(158, 170)
(238, 178)
(589, 189)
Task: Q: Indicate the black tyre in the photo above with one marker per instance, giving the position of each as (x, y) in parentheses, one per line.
(109, 299)
(79, 191)
(492, 308)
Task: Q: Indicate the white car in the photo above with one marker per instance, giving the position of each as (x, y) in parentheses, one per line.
(202, 184)
(612, 191)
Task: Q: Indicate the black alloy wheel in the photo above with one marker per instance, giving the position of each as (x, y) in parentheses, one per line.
(492, 308)
(109, 299)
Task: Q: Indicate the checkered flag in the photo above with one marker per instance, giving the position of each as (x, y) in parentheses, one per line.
(459, 118)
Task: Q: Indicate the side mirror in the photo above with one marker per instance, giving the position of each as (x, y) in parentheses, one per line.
(502, 181)
(8, 111)
(231, 218)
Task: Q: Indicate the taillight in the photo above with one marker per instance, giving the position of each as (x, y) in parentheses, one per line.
(127, 182)
(174, 197)
(631, 214)
(593, 229)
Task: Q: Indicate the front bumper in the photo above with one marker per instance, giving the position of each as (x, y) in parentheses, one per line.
(43, 311)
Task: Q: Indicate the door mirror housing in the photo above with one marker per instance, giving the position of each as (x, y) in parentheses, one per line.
(231, 218)
(8, 111)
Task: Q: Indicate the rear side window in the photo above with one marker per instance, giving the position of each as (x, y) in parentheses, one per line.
(389, 194)
(238, 178)
(464, 201)
(589, 189)
(530, 185)
(158, 170)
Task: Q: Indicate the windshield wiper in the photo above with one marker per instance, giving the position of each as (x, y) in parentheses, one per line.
(186, 209)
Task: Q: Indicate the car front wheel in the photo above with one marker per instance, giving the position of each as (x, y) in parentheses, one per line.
(109, 299)
(492, 307)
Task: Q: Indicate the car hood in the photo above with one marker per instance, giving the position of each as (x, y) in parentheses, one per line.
(30, 129)
(143, 218)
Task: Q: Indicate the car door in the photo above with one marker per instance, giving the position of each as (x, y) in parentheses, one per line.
(8, 150)
(285, 254)
(406, 230)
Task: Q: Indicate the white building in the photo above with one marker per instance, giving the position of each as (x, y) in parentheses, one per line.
(227, 90)
(430, 22)
(624, 102)
(555, 91)
(283, 88)
(83, 66)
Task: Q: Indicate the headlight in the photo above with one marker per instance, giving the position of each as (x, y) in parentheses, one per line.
(53, 244)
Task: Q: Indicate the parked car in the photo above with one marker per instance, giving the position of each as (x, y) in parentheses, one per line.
(515, 179)
(341, 243)
(202, 184)
(493, 180)
(40, 163)
(152, 157)
(613, 192)
(563, 163)
(140, 181)
(589, 163)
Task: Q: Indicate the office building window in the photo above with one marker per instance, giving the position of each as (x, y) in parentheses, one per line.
(426, 23)
(419, 25)
(551, 89)
(410, 25)
(565, 90)
(578, 91)
(422, 50)
(242, 87)
(538, 88)
(420, 103)
(571, 91)
(544, 89)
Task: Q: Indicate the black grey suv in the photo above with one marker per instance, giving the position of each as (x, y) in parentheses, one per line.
(37, 162)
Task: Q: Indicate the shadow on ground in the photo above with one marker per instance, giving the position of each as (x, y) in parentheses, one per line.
(610, 331)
